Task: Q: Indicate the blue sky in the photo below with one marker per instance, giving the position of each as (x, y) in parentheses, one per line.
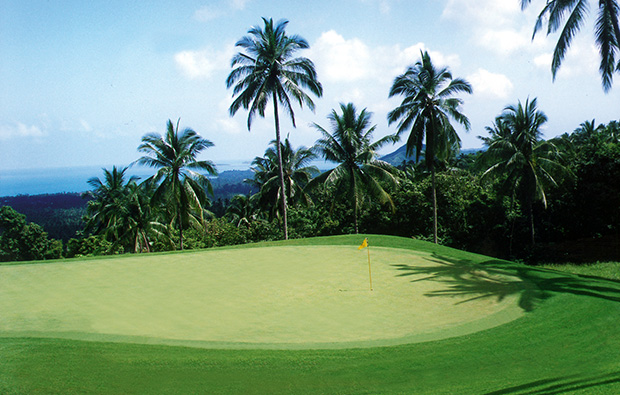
(81, 82)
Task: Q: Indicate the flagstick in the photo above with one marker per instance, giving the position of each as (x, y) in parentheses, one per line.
(369, 273)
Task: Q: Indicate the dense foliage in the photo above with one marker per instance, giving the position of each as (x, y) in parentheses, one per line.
(491, 202)
(24, 241)
(581, 222)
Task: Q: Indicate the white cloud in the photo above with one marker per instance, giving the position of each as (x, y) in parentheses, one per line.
(401, 58)
(207, 13)
(490, 84)
(229, 126)
(349, 60)
(581, 58)
(203, 63)
(219, 9)
(85, 126)
(20, 130)
(486, 12)
(341, 60)
(239, 4)
(499, 26)
(503, 41)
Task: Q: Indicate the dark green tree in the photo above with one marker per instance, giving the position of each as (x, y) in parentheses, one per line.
(359, 174)
(426, 111)
(517, 155)
(107, 207)
(241, 211)
(297, 174)
(266, 70)
(24, 241)
(182, 186)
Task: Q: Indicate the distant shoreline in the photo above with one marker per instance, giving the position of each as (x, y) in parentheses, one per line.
(51, 181)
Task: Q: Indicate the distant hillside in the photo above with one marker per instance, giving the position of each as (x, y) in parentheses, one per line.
(397, 157)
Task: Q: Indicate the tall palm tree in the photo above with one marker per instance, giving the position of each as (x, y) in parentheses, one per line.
(517, 155)
(425, 112)
(572, 14)
(359, 173)
(265, 70)
(295, 168)
(175, 155)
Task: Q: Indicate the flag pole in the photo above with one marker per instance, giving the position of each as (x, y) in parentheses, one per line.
(369, 272)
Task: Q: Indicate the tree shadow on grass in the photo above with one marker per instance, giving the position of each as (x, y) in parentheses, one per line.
(500, 279)
(561, 385)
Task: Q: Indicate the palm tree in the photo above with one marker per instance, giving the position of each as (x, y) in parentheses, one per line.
(107, 208)
(142, 225)
(267, 70)
(241, 210)
(180, 184)
(359, 173)
(571, 14)
(427, 107)
(517, 155)
(295, 168)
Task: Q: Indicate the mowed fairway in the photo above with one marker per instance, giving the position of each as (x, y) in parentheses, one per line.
(297, 317)
(270, 297)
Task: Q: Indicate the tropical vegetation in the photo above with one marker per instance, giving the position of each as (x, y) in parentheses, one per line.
(426, 111)
(359, 173)
(266, 70)
(516, 154)
(521, 197)
(179, 184)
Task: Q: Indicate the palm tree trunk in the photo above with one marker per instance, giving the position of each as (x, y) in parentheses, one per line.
(280, 170)
(354, 195)
(530, 213)
(430, 160)
(434, 203)
(181, 234)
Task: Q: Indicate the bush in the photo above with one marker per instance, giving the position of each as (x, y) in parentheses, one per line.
(91, 246)
(22, 241)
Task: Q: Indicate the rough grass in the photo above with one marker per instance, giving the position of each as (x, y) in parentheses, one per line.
(608, 270)
(566, 342)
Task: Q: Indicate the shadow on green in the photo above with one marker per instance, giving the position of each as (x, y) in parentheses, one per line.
(499, 279)
(561, 385)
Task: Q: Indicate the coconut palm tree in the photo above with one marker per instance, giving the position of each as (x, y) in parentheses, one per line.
(106, 209)
(425, 112)
(359, 174)
(266, 70)
(241, 210)
(142, 223)
(570, 17)
(517, 155)
(296, 170)
(180, 185)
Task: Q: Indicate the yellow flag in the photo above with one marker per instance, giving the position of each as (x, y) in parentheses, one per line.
(364, 244)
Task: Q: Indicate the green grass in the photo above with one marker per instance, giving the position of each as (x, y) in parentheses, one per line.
(565, 340)
(608, 270)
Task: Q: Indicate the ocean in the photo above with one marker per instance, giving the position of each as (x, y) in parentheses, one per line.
(75, 179)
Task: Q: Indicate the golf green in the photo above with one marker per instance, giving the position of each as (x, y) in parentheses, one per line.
(315, 296)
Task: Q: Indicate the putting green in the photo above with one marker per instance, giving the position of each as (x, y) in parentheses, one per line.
(268, 297)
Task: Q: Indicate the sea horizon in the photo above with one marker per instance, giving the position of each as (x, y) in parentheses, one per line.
(74, 179)
(37, 181)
